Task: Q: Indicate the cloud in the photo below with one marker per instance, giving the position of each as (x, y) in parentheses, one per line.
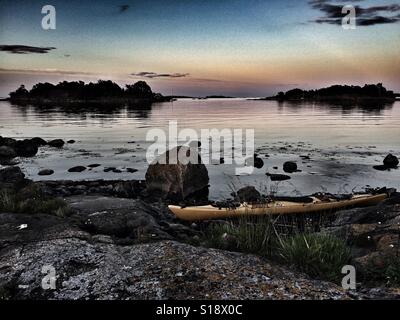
(46, 72)
(20, 49)
(123, 8)
(365, 16)
(152, 75)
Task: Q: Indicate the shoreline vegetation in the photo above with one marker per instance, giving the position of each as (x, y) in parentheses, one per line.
(78, 92)
(369, 94)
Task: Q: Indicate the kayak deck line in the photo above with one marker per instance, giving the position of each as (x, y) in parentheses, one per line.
(209, 212)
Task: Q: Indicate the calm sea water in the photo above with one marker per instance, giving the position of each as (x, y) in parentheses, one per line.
(343, 143)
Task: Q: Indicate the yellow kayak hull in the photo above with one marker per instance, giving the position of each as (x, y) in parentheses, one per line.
(273, 208)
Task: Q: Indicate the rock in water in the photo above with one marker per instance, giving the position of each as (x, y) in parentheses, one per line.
(169, 178)
(45, 172)
(7, 152)
(290, 167)
(391, 161)
(77, 169)
(25, 148)
(39, 141)
(258, 163)
(57, 143)
(248, 194)
(278, 177)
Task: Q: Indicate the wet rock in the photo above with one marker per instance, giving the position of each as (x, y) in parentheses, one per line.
(94, 165)
(381, 167)
(71, 141)
(278, 177)
(169, 178)
(248, 194)
(77, 169)
(45, 172)
(9, 142)
(290, 167)
(7, 152)
(391, 161)
(256, 162)
(56, 143)
(109, 169)
(117, 171)
(39, 141)
(131, 170)
(8, 162)
(25, 148)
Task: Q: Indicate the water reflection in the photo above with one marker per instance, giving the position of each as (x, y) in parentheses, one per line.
(83, 112)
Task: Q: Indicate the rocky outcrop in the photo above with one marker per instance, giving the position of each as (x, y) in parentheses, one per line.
(12, 178)
(169, 178)
(7, 152)
(115, 188)
(11, 148)
(162, 270)
(373, 233)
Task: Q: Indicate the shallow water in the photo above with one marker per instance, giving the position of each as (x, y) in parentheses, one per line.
(343, 143)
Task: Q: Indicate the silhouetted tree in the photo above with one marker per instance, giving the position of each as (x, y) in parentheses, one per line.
(20, 93)
(139, 90)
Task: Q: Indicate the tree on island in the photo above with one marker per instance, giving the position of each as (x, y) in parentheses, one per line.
(79, 91)
(338, 91)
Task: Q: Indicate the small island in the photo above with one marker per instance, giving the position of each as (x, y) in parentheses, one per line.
(78, 92)
(369, 93)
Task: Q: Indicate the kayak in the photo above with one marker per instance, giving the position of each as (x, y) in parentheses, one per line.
(274, 208)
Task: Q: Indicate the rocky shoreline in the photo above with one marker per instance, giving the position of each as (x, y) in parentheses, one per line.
(118, 240)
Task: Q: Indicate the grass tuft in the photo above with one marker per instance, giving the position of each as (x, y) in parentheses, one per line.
(319, 255)
(32, 200)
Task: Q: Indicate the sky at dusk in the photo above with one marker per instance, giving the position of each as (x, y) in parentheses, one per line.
(201, 47)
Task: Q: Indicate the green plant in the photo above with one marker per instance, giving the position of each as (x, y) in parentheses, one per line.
(246, 234)
(319, 255)
(32, 201)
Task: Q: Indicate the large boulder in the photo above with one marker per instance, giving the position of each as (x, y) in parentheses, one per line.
(175, 178)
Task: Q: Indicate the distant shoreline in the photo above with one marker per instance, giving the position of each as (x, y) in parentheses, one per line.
(331, 99)
(102, 101)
